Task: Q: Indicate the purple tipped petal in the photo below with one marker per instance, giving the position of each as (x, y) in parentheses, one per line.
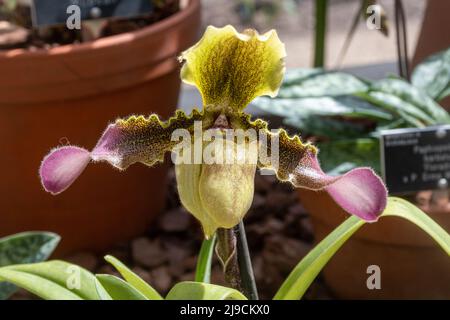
(127, 141)
(108, 147)
(62, 167)
(359, 192)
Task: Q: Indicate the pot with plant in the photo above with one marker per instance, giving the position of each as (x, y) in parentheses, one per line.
(61, 84)
(216, 153)
(344, 115)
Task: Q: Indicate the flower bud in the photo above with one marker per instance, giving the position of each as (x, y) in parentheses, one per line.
(219, 194)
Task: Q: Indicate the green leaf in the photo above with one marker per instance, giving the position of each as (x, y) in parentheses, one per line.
(353, 153)
(309, 267)
(345, 106)
(413, 96)
(444, 94)
(117, 288)
(204, 260)
(42, 287)
(403, 109)
(133, 279)
(101, 291)
(433, 75)
(202, 291)
(297, 75)
(26, 247)
(398, 207)
(323, 84)
(52, 280)
(328, 127)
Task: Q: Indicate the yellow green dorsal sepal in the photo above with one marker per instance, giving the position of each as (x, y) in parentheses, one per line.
(230, 69)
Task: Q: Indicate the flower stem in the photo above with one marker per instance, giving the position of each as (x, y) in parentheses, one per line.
(245, 264)
(402, 40)
(226, 252)
(232, 251)
(320, 33)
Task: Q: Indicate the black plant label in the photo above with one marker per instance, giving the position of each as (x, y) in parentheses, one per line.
(416, 159)
(54, 12)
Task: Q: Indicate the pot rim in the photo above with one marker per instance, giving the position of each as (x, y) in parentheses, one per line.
(110, 41)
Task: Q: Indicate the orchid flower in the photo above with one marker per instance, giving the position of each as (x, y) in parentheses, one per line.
(230, 69)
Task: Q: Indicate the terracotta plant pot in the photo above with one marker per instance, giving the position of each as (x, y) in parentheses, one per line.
(412, 265)
(72, 92)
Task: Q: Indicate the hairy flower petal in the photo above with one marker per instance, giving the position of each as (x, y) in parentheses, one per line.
(62, 167)
(136, 139)
(359, 192)
(141, 139)
(231, 69)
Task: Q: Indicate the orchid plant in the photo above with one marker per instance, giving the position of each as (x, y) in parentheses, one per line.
(230, 69)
